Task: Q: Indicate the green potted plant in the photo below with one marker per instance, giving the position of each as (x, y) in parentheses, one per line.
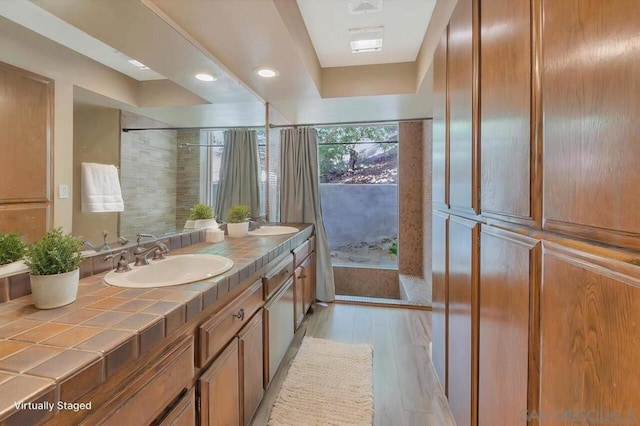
(11, 253)
(201, 217)
(53, 262)
(237, 221)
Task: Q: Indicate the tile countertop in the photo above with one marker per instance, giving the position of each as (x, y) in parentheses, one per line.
(61, 354)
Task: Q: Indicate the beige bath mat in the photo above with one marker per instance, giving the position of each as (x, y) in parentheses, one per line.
(329, 383)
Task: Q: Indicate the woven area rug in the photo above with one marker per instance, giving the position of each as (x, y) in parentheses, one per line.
(329, 383)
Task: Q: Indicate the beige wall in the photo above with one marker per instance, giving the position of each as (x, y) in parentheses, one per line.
(96, 139)
(27, 50)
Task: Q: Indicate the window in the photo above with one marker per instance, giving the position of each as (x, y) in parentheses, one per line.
(210, 162)
(359, 194)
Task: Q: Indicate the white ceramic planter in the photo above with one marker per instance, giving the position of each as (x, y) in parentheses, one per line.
(206, 224)
(190, 224)
(54, 291)
(238, 230)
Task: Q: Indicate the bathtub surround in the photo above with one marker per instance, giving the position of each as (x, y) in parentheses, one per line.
(300, 198)
(239, 173)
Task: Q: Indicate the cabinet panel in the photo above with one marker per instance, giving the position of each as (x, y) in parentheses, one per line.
(216, 332)
(146, 398)
(309, 282)
(509, 268)
(440, 179)
(505, 80)
(461, 352)
(591, 81)
(28, 220)
(251, 361)
(219, 389)
(25, 120)
(462, 182)
(184, 412)
(298, 291)
(439, 292)
(590, 356)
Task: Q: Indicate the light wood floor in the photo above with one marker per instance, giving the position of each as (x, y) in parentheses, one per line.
(405, 387)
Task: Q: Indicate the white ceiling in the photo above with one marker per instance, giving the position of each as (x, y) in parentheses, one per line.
(29, 15)
(178, 38)
(328, 22)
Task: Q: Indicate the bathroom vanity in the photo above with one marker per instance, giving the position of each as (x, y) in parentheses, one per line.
(199, 353)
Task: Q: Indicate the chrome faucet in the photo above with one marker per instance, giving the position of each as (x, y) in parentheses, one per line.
(123, 262)
(142, 254)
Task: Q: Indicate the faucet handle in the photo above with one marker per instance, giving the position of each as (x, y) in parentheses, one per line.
(158, 253)
(123, 262)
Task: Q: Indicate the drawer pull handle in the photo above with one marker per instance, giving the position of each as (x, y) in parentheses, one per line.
(239, 315)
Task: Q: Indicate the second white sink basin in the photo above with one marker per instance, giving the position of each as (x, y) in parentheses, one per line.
(174, 270)
(273, 230)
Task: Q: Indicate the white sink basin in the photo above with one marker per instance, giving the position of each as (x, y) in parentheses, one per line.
(174, 270)
(273, 230)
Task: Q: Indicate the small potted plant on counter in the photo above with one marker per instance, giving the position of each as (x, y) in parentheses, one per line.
(11, 253)
(53, 262)
(238, 221)
(201, 217)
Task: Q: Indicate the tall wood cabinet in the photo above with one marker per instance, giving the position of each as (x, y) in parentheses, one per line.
(26, 120)
(536, 243)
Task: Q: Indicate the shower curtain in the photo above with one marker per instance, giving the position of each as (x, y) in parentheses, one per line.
(239, 181)
(300, 198)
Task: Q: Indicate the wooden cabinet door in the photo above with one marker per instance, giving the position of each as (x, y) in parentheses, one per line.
(590, 85)
(440, 167)
(299, 278)
(440, 289)
(251, 366)
(463, 182)
(219, 390)
(509, 284)
(590, 345)
(309, 288)
(506, 138)
(183, 413)
(461, 353)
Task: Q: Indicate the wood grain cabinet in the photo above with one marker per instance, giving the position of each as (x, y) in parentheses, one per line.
(440, 167)
(590, 86)
(251, 365)
(589, 323)
(219, 389)
(463, 288)
(309, 288)
(26, 120)
(509, 284)
(463, 167)
(507, 143)
(298, 292)
(279, 327)
(440, 281)
(183, 413)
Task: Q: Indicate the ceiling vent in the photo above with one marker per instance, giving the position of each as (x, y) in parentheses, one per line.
(364, 6)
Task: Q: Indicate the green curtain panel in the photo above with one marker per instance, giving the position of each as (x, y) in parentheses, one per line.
(239, 173)
(300, 198)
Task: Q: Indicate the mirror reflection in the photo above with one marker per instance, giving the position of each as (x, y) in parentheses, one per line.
(163, 173)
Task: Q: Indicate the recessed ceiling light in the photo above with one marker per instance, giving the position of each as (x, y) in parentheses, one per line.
(138, 64)
(206, 77)
(267, 72)
(366, 39)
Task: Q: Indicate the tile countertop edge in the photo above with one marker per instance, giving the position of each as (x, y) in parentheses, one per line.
(132, 311)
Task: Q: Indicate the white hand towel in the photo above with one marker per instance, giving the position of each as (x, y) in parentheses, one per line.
(100, 187)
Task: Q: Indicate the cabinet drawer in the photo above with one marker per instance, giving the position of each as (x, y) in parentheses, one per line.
(277, 276)
(149, 395)
(183, 413)
(216, 332)
(301, 252)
